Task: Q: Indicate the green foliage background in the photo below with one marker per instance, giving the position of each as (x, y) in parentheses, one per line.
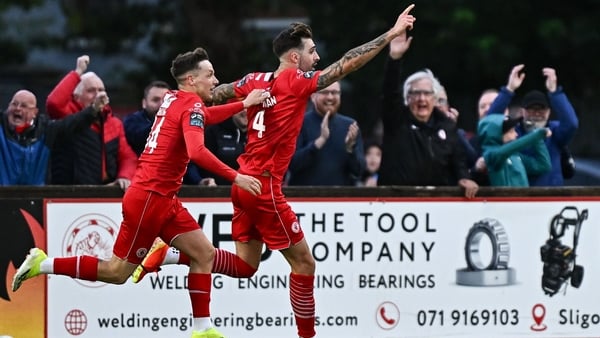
(470, 45)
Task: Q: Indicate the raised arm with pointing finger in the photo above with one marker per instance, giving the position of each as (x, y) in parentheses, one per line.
(272, 132)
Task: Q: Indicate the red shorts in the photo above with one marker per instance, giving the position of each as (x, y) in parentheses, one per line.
(267, 217)
(147, 215)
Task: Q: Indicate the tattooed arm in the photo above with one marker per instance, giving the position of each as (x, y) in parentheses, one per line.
(359, 56)
(222, 93)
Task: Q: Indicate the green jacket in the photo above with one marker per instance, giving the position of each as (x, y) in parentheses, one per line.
(506, 164)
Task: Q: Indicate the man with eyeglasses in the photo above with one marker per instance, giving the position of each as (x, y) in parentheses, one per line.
(329, 149)
(421, 145)
(27, 137)
(535, 109)
(268, 219)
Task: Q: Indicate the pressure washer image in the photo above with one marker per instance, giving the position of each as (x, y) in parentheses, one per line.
(558, 258)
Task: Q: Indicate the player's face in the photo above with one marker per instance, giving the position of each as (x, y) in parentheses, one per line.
(205, 81)
(308, 56)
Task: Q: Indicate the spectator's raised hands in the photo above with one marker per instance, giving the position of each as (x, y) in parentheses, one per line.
(82, 64)
(351, 137)
(516, 77)
(399, 45)
(100, 101)
(551, 79)
(322, 139)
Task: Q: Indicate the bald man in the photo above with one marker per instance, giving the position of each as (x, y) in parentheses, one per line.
(99, 154)
(27, 137)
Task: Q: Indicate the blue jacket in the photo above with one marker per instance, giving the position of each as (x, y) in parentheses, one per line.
(506, 165)
(332, 164)
(24, 157)
(563, 130)
(137, 128)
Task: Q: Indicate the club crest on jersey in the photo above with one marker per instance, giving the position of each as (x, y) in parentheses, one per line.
(197, 120)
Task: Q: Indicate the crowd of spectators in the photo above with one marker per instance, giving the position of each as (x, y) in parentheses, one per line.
(78, 140)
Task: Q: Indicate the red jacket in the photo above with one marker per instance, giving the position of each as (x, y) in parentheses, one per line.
(119, 162)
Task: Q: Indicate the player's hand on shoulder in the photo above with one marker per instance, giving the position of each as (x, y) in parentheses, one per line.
(256, 96)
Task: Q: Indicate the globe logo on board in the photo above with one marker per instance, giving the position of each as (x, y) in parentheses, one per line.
(90, 235)
(75, 322)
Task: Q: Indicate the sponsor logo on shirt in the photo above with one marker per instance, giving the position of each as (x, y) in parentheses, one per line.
(306, 75)
(197, 119)
(309, 75)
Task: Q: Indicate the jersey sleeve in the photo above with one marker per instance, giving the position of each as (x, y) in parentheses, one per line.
(220, 113)
(193, 122)
(302, 83)
(243, 86)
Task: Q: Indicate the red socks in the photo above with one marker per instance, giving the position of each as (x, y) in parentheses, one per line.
(199, 287)
(303, 303)
(231, 265)
(80, 267)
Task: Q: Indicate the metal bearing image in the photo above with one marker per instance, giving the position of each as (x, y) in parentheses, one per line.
(492, 271)
(494, 231)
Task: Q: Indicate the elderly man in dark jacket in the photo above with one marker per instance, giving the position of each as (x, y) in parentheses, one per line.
(96, 155)
(420, 144)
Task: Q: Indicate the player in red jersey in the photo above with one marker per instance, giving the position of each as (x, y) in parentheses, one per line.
(151, 207)
(272, 132)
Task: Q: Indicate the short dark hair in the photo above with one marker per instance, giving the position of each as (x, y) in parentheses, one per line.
(291, 37)
(187, 61)
(156, 84)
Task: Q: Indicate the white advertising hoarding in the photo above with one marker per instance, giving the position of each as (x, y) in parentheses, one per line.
(385, 269)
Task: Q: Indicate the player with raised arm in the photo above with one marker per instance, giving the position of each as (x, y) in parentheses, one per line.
(272, 132)
(150, 206)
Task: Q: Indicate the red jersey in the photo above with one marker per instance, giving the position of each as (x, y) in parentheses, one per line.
(176, 137)
(274, 126)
